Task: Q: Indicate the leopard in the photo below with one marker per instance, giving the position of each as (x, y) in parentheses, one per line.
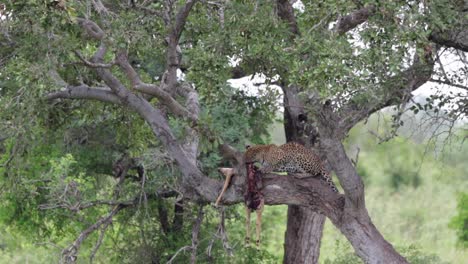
(291, 157)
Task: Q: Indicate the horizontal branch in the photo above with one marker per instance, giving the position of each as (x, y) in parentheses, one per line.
(464, 87)
(85, 92)
(293, 189)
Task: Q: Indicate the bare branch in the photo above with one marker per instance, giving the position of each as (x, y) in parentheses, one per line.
(99, 241)
(221, 234)
(348, 22)
(69, 255)
(79, 207)
(174, 53)
(449, 83)
(85, 92)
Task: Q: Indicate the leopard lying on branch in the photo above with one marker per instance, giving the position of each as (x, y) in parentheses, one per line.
(290, 157)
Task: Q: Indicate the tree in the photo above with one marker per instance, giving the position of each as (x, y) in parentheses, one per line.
(128, 55)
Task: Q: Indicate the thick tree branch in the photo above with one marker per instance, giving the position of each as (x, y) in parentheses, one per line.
(295, 189)
(350, 21)
(155, 119)
(85, 92)
(195, 232)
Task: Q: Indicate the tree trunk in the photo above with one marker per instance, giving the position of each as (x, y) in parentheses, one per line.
(303, 235)
(304, 227)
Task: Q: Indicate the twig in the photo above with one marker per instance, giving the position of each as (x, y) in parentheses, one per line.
(99, 241)
(449, 83)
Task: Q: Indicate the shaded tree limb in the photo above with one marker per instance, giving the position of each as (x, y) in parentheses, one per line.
(354, 19)
(91, 28)
(455, 38)
(174, 54)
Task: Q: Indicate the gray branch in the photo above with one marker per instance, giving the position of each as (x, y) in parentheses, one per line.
(85, 92)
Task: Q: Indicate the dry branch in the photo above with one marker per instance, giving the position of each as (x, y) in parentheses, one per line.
(69, 255)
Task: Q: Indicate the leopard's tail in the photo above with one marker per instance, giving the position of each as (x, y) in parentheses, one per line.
(327, 178)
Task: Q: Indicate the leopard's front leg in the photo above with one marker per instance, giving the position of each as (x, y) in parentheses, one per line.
(267, 168)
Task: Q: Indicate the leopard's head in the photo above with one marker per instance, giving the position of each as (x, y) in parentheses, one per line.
(256, 153)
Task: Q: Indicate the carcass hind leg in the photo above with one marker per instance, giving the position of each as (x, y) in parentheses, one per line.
(259, 223)
(247, 225)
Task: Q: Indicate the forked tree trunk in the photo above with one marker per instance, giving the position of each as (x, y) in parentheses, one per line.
(305, 227)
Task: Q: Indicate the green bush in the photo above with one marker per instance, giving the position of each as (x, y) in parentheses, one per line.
(460, 221)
